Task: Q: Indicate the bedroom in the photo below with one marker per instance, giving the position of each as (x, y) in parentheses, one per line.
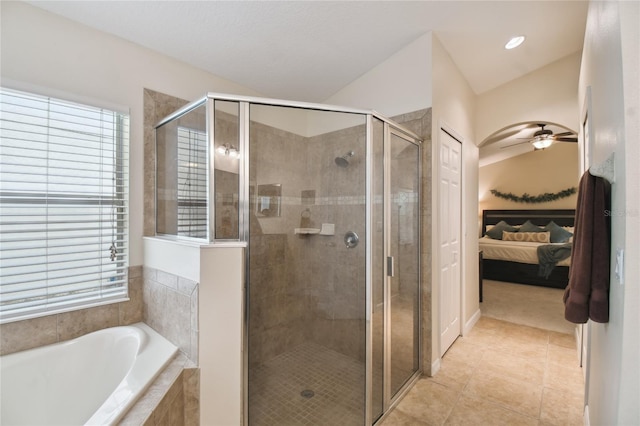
(509, 164)
(517, 294)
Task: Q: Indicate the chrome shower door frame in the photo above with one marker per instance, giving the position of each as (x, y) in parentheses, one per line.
(391, 400)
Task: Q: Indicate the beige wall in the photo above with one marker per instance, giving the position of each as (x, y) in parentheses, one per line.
(399, 85)
(548, 94)
(610, 67)
(454, 107)
(536, 172)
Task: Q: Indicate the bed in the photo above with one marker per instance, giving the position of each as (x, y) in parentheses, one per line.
(517, 261)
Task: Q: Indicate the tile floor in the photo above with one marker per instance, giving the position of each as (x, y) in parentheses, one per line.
(277, 389)
(501, 374)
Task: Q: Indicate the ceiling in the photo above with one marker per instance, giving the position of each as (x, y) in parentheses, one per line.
(309, 50)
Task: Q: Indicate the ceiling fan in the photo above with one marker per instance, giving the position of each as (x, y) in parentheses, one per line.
(543, 138)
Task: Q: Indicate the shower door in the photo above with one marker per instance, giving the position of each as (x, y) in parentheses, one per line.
(403, 244)
(396, 266)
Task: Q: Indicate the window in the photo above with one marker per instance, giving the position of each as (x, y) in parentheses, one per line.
(63, 205)
(192, 183)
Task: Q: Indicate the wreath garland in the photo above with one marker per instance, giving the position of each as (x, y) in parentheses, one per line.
(542, 198)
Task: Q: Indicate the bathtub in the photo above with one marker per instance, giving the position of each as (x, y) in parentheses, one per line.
(91, 380)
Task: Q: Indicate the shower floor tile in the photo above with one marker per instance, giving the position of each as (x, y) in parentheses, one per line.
(337, 383)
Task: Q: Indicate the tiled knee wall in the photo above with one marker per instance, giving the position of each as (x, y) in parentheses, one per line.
(170, 306)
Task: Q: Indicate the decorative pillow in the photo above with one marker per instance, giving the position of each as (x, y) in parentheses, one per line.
(569, 229)
(558, 234)
(532, 237)
(496, 231)
(530, 227)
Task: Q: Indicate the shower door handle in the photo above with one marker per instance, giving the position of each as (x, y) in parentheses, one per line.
(390, 266)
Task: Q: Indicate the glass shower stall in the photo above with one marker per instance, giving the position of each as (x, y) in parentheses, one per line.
(327, 200)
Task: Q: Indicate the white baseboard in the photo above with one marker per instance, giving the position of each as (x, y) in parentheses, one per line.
(587, 422)
(435, 367)
(578, 336)
(471, 323)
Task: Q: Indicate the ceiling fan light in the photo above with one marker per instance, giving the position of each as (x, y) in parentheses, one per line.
(514, 42)
(542, 143)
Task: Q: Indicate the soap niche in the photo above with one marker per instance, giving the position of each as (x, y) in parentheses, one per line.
(308, 197)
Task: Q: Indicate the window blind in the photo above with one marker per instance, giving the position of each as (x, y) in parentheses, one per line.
(192, 183)
(63, 205)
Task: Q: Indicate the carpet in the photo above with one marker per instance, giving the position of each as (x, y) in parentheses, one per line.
(534, 306)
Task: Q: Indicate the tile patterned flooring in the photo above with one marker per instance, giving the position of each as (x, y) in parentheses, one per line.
(275, 397)
(500, 374)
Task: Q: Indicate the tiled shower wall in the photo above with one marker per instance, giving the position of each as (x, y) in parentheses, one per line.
(275, 308)
(156, 107)
(296, 296)
(335, 292)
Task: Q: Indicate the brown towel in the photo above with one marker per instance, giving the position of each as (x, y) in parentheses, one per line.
(587, 295)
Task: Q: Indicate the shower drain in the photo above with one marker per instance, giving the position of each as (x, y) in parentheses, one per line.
(307, 393)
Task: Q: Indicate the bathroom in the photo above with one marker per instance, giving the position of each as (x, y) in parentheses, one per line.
(307, 205)
(166, 301)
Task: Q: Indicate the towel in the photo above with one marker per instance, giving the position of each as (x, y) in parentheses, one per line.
(549, 255)
(587, 295)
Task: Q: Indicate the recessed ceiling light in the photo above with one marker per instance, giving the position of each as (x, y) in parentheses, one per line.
(514, 42)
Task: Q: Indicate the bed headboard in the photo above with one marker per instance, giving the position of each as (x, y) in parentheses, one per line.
(564, 217)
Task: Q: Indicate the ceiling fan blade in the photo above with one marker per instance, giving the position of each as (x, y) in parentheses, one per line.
(564, 134)
(513, 144)
(566, 139)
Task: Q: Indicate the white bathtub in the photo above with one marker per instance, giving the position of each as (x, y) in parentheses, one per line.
(91, 380)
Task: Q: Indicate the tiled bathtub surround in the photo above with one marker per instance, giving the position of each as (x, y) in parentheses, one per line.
(171, 308)
(172, 399)
(21, 335)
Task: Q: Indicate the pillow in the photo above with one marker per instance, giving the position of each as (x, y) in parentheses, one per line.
(558, 234)
(532, 237)
(530, 227)
(516, 227)
(496, 231)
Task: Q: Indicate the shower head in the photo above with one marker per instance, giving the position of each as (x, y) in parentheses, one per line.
(344, 160)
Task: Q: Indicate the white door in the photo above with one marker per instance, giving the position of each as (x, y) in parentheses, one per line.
(450, 164)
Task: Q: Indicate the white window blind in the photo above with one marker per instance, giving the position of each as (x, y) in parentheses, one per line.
(192, 183)
(63, 205)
